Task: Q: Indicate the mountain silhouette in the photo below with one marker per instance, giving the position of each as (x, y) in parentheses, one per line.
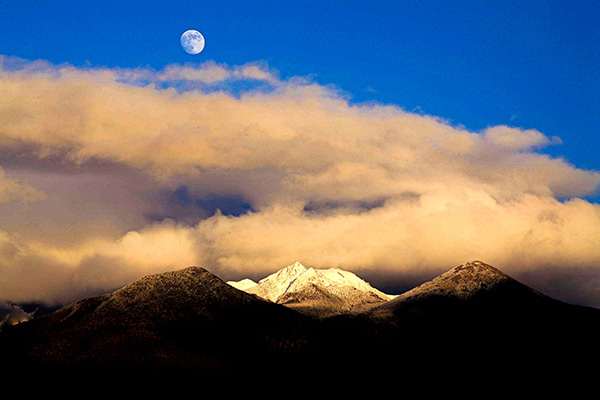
(183, 319)
(471, 318)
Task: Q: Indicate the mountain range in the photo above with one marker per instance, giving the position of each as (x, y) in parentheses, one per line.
(329, 321)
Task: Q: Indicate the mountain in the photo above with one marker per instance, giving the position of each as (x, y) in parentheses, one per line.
(316, 292)
(188, 318)
(472, 323)
(471, 285)
(474, 316)
(475, 292)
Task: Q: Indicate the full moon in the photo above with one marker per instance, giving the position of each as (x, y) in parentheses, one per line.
(192, 41)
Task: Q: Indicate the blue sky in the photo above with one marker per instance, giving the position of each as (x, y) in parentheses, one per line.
(529, 64)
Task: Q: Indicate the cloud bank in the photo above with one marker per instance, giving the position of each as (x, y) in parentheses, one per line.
(111, 174)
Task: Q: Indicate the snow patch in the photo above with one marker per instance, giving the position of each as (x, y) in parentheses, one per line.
(296, 277)
(244, 284)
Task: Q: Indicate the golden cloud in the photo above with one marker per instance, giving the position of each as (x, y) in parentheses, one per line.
(367, 187)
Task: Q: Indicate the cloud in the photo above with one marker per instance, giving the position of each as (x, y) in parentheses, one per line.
(16, 316)
(425, 233)
(516, 139)
(11, 189)
(38, 271)
(368, 187)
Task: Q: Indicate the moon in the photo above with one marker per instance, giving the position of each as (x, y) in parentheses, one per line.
(192, 41)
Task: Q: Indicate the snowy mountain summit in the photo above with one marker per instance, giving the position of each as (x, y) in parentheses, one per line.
(316, 292)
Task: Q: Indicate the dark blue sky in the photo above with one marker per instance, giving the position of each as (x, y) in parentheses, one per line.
(530, 64)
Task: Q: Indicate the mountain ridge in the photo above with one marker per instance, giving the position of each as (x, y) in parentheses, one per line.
(191, 320)
(480, 312)
(315, 292)
(186, 318)
(463, 282)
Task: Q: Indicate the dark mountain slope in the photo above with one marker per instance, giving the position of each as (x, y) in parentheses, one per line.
(185, 319)
(474, 317)
(470, 288)
(471, 322)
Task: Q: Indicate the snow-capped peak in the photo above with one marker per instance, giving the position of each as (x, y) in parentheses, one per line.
(243, 284)
(278, 283)
(286, 274)
(296, 277)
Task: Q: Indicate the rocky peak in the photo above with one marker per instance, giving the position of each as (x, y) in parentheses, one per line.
(475, 272)
(187, 282)
(172, 295)
(474, 285)
(461, 281)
